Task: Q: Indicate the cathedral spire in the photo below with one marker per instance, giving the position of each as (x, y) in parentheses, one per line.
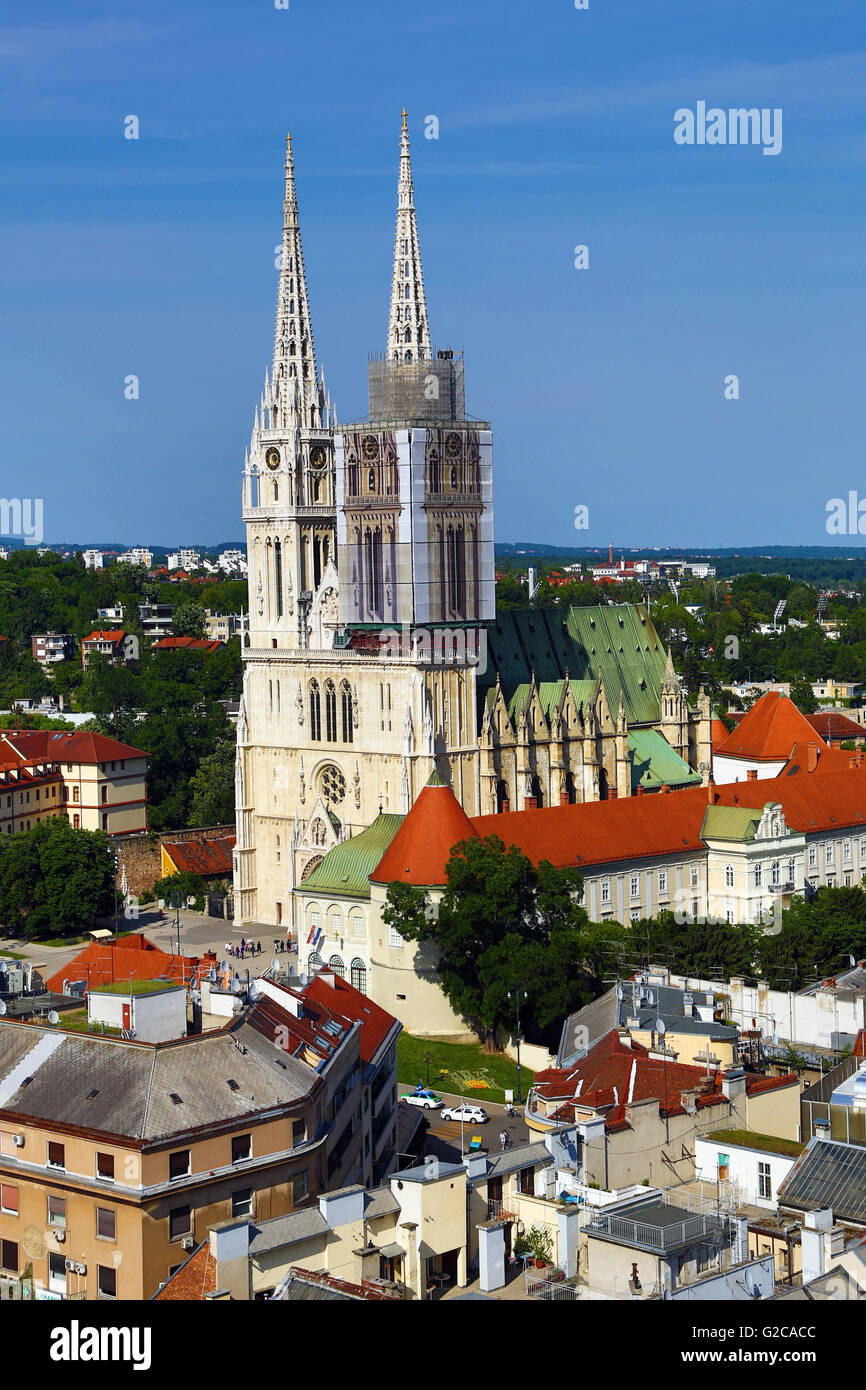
(294, 353)
(408, 331)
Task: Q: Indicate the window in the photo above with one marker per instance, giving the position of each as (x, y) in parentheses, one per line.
(179, 1222)
(635, 914)
(813, 854)
(242, 1202)
(634, 885)
(729, 875)
(9, 1199)
(299, 1186)
(315, 712)
(106, 1223)
(57, 1272)
(299, 1132)
(337, 964)
(605, 890)
(694, 874)
(106, 1281)
(663, 881)
(242, 1148)
(359, 975)
(775, 872)
(346, 711)
(330, 712)
(178, 1164)
(759, 874)
(105, 1167)
(790, 877)
(394, 938)
(828, 856)
(56, 1156)
(846, 851)
(765, 1187)
(357, 924)
(57, 1212)
(9, 1256)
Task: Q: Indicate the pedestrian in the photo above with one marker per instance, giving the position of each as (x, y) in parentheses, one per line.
(503, 1139)
(259, 948)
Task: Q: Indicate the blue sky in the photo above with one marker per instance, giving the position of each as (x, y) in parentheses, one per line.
(604, 386)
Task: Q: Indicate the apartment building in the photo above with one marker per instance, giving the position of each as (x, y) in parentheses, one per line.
(116, 1156)
(138, 555)
(103, 783)
(49, 648)
(220, 627)
(29, 792)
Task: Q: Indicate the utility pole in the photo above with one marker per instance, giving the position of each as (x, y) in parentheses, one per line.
(518, 993)
(116, 866)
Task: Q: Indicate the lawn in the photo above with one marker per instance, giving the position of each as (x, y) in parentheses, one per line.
(463, 1063)
(11, 955)
(75, 1021)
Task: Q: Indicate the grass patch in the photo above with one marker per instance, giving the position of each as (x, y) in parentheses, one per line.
(76, 1022)
(135, 987)
(11, 955)
(462, 1063)
(767, 1143)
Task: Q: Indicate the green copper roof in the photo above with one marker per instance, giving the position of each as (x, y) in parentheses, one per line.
(730, 823)
(616, 641)
(654, 762)
(346, 869)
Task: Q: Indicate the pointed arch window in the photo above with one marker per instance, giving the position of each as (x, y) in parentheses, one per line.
(407, 292)
(278, 570)
(330, 712)
(315, 712)
(346, 711)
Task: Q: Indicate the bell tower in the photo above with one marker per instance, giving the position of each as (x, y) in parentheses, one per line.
(289, 501)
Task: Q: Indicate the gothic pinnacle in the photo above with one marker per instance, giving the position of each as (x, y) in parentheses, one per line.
(408, 330)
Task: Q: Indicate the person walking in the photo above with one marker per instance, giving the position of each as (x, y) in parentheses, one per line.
(503, 1139)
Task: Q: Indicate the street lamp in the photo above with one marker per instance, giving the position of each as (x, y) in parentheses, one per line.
(116, 867)
(427, 1060)
(518, 993)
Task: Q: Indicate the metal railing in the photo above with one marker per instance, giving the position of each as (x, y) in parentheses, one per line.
(650, 1236)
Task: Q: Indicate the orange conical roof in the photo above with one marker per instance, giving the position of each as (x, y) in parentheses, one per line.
(770, 729)
(422, 846)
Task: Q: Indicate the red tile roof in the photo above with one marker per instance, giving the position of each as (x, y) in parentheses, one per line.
(833, 725)
(614, 1074)
(718, 734)
(195, 1279)
(99, 636)
(420, 850)
(768, 731)
(103, 962)
(79, 747)
(206, 858)
(375, 1023)
(197, 644)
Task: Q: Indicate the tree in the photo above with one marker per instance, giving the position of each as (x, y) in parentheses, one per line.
(188, 620)
(213, 787)
(803, 697)
(501, 921)
(55, 880)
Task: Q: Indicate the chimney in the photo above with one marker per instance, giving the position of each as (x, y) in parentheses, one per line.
(229, 1248)
(811, 757)
(639, 791)
(328, 978)
(711, 792)
(530, 803)
(612, 793)
(664, 789)
(752, 774)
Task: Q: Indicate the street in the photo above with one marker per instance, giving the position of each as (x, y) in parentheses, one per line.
(443, 1139)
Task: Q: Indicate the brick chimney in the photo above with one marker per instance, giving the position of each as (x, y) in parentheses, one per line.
(711, 792)
(752, 774)
(639, 791)
(612, 793)
(811, 757)
(530, 803)
(664, 789)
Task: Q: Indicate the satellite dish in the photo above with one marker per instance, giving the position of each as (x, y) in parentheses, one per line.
(650, 997)
(255, 990)
(275, 965)
(53, 1016)
(619, 991)
(661, 1027)
(2, 1008)
(237, 987)
(212, 975)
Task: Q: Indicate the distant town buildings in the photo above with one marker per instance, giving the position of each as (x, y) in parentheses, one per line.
(136, 556)
(93, 559)
(49, 648)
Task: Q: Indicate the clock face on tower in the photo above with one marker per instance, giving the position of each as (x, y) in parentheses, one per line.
(370, 447)
(272, 458)
(453, 444)
(317, 457)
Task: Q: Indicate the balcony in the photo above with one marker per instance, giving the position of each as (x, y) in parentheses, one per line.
(789, 887)
(657, 1227)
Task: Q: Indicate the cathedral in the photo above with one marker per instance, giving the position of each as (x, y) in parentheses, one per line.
(374, 656)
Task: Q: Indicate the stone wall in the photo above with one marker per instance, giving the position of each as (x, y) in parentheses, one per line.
(139, 856)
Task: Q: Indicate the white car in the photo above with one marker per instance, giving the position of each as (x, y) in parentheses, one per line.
(471, 1114)
(427, 1100)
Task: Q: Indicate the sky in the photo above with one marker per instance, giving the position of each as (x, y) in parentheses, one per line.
(606, 386)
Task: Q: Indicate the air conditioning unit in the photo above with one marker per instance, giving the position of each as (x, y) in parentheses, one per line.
(188, 1242)
(70, 1266)
(18, 1140)
(60, 1236)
